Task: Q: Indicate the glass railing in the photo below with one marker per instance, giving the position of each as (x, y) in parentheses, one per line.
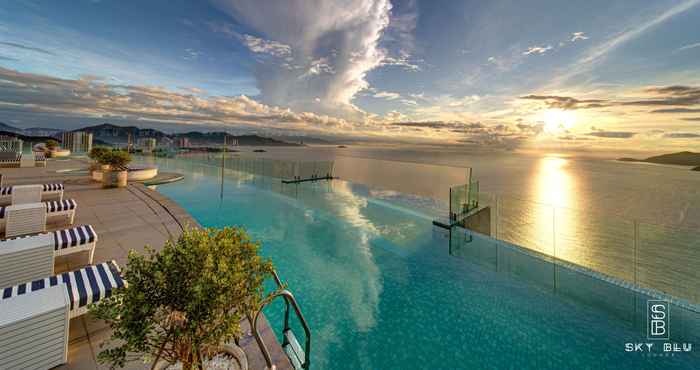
(665, 259)
(287, 170)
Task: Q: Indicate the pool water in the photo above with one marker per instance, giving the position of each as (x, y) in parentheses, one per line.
(379, 289)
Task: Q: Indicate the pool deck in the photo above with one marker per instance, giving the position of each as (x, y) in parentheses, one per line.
(124, 219)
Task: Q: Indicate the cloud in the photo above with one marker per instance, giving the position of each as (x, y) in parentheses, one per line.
(566, 102)
(191, 54)
(94, 97)
(402, 61)
(387, 95)
(25, 47)
(347, 34)
(686, 99)
(669, 95)
(612, 134)
(688, 47)
(676, 110)
(692, 119)
(2, 57)
(682, 135)
(635, 29)
(270, 47)
(537, 50)
(578, 36)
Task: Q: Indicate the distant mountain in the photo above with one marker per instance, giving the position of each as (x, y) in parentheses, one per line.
(217, 138)
(680, 159)
(304, 140)
(42, 131)
(119, 135)
(7, 128)
(26, 138)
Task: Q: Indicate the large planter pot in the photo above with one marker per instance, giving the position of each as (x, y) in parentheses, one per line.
(112, 179)
(238, 358)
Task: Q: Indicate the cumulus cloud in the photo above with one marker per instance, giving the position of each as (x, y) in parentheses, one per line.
(578, 36)
(537, 50)
(94, 97)
(346, 34)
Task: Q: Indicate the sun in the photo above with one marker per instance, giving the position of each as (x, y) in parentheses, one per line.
(557, 121)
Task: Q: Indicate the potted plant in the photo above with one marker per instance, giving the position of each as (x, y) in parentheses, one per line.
(183, 305)
(116, 174)
(51, 146)
(96, 155)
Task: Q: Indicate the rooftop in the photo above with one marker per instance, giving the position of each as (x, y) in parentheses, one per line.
(124, 219)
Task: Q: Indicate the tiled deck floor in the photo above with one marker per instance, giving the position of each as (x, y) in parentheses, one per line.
(124, 219)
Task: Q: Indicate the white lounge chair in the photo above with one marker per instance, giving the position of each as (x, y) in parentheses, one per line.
(40, 159)
(10, 160)
(23, 219)
(36, 315)
(53, 211)
(47, 192)
(31, 257)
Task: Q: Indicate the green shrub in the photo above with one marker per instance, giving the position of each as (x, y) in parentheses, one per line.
(97, 153)
(186, 299)
(116, 159)
(51, 144)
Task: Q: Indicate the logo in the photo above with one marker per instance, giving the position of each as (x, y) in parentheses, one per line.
(658, 320)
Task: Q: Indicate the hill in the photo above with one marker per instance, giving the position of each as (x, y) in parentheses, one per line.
(119, 135)
(680, 159)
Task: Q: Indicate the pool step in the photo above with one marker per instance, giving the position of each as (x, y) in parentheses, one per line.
(293, 349)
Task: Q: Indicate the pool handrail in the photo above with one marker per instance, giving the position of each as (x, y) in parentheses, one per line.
(288, 298)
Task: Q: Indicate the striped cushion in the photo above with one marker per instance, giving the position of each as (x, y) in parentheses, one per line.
(84, 286)
(58, 206)
(7, 190)
(75, 236)
(53, 187)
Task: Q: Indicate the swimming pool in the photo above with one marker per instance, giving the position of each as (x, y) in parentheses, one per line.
(380, 290)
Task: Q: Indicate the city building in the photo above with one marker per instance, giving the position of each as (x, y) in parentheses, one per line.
(183, 142)
(147, 144)
(230, 141)
(77, 141)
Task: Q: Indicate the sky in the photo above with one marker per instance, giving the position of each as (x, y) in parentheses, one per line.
(498, 74)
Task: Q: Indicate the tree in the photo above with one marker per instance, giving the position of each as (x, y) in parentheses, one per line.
(183, 302)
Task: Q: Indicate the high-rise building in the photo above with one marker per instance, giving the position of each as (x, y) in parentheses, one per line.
(77, 141)
(147, 144)
(183, 142)
(230, 140)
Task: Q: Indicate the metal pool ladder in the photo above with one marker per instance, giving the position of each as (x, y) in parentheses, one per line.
(298, 357)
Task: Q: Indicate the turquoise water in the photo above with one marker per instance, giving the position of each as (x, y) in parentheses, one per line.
(380, 290)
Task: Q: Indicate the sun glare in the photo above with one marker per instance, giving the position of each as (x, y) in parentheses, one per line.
(558, 120)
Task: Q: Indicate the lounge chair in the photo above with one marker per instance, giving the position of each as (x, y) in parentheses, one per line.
(8, 194)
(40, 159)
(27, 218)
(10, 160)
(36, 315)
(26, 258)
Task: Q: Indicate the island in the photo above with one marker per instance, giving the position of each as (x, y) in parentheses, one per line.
(680, 159)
